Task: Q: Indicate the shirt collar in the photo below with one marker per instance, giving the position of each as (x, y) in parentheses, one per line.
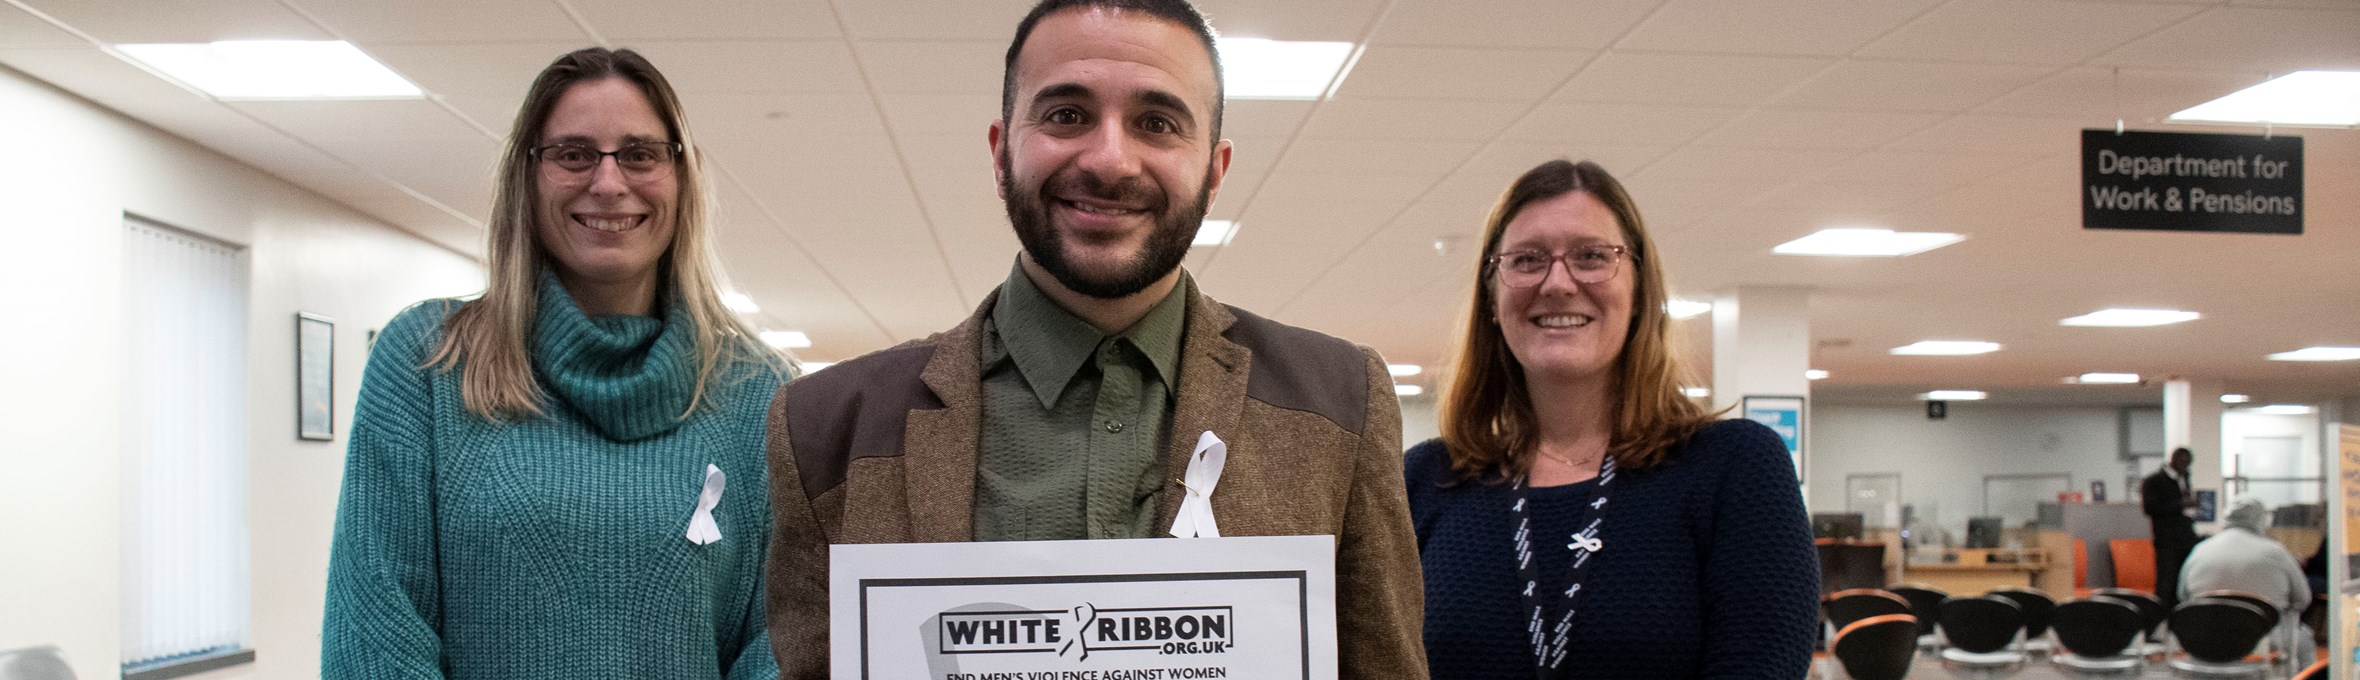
(1050, 344)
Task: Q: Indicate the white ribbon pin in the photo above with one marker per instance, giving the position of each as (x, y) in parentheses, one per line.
(1204, 471)
(701, 528)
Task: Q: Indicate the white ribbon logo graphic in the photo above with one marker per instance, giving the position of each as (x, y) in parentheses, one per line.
(701, 529)
(1204, 471)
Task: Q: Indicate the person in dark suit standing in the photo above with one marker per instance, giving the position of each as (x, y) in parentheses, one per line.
(2168, 499)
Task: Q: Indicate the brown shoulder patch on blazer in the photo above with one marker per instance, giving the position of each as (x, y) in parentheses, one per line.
(854, 410)
(1303, 370)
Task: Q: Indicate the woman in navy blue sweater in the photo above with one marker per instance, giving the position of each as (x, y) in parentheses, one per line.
(1579, 516)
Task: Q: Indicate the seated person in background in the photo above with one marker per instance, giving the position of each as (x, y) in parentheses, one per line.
(2242, 558)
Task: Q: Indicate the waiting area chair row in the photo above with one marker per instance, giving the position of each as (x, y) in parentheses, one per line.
(1877, 634)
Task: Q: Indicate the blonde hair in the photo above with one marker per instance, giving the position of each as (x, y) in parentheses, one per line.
(1487, 417)
(487, 339)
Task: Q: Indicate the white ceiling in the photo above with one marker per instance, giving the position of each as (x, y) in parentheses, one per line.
(858, 205)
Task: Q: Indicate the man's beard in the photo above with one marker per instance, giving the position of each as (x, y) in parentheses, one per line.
(1175, 227)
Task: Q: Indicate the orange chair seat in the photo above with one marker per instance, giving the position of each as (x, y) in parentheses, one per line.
(2134, 563)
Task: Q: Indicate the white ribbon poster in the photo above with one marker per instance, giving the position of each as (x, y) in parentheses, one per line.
(1145, 609)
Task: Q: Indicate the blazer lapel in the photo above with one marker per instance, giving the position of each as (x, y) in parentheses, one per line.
(938, 454)
(1213, 373)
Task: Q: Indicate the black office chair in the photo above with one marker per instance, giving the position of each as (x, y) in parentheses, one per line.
(1876, 648)
(1844, 607)
(1982, 633)
(2268, 608)
(2281, 637)
(2217, 637)
(1925, 603)
(2100, 635)
(2151, 610)
(2038, 607)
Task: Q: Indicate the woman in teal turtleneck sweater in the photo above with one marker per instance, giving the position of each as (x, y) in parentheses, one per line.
(564, 478)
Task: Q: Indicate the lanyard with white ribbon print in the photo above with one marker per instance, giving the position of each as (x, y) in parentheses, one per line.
(1549, 641)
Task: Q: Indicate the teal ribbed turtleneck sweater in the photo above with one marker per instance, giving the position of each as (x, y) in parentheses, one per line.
(553, 546)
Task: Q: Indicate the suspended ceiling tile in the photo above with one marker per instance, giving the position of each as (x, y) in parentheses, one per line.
(1911, 86)
(1326, 20)
(2098, 96)
(1423, 119)
(19, 30)
(369, 21)
(190, 21)
(1542, 25)
(1799, 27)
(487, 68)
(1459, 73)
(1818, 129)
(970, 67)
(2251, 38)
(2059, 33)
(813, 66)
(1670, 78)
(1569, 121)
(624, 22)
(935, 20)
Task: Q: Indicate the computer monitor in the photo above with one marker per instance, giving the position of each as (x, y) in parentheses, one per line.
(1983, 532)
(1841, 526)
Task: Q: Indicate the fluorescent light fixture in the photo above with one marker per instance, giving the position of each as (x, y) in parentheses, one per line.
(1404, 370)
(2319, 354)
(1260, 68)
(810, 367)
(1849, 242)
(1945, 348)
(1682, 309)
(2284, 410)
(2107, 379)
(2235, 399)
(786, 339)
(1408, 390)
(739, 302)
(1697, 392)
(2298, 98)
(274, 69)
(2118, 317)
(1814, 374)
(1953, 395)
(1213, 233)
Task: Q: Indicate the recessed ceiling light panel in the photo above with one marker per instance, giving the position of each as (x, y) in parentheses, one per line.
(739, 302)
(1814, 374)
(1682, 309)
(2235, 399)
(786, 339)
(1260, 68)
(1866, 243)
(1945, 348)
(1953, 395)
(1214, 233)
(274, 69)
(2107, 379)
(2118, 317)
(2284, 410)
(1404, 370)
(2330, 98)
(2319, 354)
(1408, 390)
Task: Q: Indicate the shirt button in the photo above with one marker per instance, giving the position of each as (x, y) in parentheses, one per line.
(1114, 427)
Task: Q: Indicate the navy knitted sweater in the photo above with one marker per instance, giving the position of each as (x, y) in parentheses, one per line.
(1707, 569)
(551, 546)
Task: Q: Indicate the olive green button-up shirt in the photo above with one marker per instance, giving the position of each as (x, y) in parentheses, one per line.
(1073, 418)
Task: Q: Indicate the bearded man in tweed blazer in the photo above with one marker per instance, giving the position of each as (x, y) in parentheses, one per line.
(1068, 405)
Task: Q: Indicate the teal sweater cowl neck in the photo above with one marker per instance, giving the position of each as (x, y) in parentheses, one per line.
(552, 546)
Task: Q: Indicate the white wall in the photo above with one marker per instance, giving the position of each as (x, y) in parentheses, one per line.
(2238, 424)
(1942, 462)
(1418, 422)
(73, 170)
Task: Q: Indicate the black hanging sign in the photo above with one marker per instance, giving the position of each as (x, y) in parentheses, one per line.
(2174, 181)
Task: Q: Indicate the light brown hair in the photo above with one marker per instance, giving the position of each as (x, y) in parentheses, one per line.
(1487, 416)
(486, 339)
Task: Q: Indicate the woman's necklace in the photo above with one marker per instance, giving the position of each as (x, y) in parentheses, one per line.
(1569, 461)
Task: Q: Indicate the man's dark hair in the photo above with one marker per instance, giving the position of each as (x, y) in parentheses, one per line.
(1175, 11)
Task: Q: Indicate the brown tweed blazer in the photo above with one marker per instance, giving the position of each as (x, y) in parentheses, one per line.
(881, 449)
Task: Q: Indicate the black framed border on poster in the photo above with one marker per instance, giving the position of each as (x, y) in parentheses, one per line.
(2185, 181)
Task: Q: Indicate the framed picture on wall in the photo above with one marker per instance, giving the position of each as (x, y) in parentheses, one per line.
(315, 377)
(1784, 415)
